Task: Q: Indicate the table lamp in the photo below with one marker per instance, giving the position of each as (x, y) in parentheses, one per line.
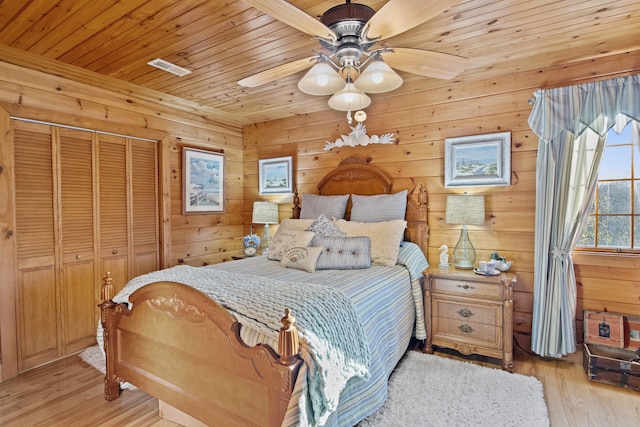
(464, 210)
(265, 213)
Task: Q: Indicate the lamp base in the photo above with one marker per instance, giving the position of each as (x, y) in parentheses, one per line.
(266, 239)
(464, 254)
(463, 266)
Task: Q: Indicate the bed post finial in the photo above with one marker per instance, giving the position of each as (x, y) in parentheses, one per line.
(296, 204)
(422, 195)
(107, 291)
(288, 344)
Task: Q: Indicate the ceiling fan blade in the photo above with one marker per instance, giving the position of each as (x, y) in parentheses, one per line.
(398, 16)
(425, 62)
(278, 72)
(287, 13)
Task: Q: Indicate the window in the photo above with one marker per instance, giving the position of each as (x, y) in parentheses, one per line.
(614, 218)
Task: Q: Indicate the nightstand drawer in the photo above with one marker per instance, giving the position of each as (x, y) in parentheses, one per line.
(467, 332)
(467, 287)
(460, 311)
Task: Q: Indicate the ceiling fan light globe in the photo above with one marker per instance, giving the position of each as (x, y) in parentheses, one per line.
(378, 77)
(349, 99)
(321, 80)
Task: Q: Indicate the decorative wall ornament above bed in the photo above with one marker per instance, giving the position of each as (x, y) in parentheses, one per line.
(358, 136)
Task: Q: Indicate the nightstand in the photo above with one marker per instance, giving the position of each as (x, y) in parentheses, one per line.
(470, 313)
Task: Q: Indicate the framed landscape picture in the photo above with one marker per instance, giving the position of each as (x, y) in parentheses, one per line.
(481, 160)
(203, 181)
(275, 175)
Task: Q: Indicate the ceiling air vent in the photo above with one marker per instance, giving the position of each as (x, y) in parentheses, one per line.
(168, 66)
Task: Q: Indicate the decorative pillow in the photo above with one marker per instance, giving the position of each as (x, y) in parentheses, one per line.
(295, 224)
(381, 207)
(301, 258)
(385, 237)
(343, 253)
(323, 226)
(285, 239)
(331, 206)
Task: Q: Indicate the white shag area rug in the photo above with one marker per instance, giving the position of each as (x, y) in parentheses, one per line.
(433, 391)
(95, 357)
(429, 390)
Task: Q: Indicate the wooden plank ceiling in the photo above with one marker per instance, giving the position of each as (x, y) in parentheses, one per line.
(222, 42)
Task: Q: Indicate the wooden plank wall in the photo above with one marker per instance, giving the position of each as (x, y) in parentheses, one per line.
(421, 121)
(193, 239)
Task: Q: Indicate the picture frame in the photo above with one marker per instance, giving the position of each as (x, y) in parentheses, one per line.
(275, 175)
(203, 181)
(479, 160)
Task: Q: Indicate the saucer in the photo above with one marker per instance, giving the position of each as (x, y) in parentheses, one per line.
(486, 273)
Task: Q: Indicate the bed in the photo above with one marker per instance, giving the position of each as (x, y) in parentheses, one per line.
(214, 352)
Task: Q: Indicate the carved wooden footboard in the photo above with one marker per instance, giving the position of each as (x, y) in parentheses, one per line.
(180, 346)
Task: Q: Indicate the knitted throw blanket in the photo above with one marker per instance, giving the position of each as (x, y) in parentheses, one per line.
(332, 339)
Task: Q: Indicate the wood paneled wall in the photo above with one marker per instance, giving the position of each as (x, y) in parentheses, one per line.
(193, 239)
(421, 121)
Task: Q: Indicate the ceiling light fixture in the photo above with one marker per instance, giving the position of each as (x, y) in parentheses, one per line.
(321, 79)
(378, 77)
(347, 50)
(349, 99)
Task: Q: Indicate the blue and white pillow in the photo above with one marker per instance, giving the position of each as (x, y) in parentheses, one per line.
(343, 253)
(378, 208)
(330, 206)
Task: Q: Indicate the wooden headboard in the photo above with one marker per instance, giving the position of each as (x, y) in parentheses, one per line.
(355, 175)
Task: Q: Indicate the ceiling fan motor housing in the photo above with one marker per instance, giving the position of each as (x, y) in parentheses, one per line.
(347, 21)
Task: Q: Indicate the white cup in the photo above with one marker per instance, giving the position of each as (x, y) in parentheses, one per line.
(491, 266)
(482, 266)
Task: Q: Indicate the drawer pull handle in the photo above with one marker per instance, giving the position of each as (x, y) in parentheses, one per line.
(465, 312)
(466, 287)
(465, 329)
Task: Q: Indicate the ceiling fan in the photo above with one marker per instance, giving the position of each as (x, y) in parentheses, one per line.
(348, 34)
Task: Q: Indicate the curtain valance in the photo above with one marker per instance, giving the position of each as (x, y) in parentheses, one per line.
(598, 105)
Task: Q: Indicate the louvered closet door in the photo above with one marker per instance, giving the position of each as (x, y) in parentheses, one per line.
(36, 289)
(144, 172)
(114, 212)
(78, 281)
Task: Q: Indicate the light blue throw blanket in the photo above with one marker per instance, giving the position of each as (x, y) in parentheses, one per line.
(333, 341)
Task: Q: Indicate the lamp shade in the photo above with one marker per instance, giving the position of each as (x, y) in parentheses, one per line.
(265, 213)
(321, 80)
(465, 209)
(378, 77)
(349, 99)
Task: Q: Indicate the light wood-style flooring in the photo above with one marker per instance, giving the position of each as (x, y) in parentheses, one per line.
(69, 393)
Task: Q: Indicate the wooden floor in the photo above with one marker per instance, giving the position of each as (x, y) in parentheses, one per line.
(69, 393)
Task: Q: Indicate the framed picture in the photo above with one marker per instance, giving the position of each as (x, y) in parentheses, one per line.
(203, 181)
(275, 175)
(480, 160)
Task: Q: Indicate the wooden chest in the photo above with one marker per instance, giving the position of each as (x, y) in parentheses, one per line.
(612, 349)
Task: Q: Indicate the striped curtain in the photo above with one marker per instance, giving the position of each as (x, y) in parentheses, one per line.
(572, 123)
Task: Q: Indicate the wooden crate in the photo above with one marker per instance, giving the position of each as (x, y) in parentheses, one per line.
(612, 349)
